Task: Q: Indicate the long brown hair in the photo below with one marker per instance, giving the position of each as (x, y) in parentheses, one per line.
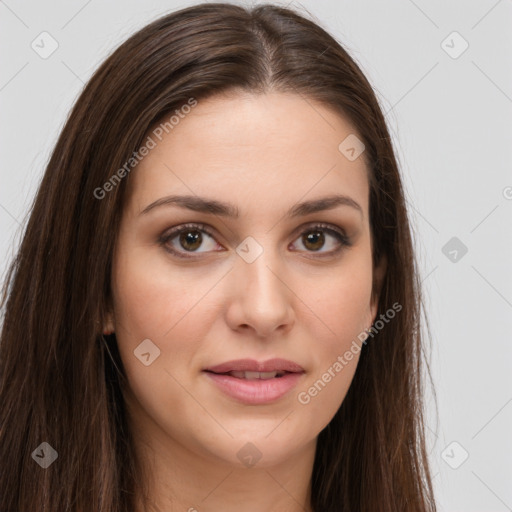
(61, 380)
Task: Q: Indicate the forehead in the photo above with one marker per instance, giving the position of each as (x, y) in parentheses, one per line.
(274, 148)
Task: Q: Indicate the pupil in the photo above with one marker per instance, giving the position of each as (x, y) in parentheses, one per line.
(314, 238)
(187, 239)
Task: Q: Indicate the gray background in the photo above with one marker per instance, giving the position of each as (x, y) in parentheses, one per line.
(450, 116)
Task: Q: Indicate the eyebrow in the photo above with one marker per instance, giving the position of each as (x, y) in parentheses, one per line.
(212, 206)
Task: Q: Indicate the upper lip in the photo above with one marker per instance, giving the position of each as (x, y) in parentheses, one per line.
(251, 365)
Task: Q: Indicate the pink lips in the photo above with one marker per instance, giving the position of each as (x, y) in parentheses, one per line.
(250, 365)
(256, 391)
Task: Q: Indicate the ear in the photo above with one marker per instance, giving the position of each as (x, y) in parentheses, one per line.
(379, 273)
(109, 324)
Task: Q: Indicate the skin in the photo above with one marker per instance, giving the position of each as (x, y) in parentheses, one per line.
(264, 154)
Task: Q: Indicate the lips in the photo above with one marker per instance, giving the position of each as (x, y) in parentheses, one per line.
(256, 375)
(256, 383)
(251, 366)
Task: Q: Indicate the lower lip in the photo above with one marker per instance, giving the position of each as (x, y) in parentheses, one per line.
(257, 391)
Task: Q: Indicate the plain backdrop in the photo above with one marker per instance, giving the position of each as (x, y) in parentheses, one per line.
(443, 74)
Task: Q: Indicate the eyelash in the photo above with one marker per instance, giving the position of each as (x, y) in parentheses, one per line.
(342, 239)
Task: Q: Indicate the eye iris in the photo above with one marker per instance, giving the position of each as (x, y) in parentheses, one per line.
(187, 238)
(316, 238)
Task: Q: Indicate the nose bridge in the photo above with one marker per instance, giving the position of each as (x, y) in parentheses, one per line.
(262, 299)
(260, 271)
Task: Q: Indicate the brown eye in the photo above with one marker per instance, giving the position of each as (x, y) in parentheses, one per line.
(190, 240)
(314, 240)
(322, 236)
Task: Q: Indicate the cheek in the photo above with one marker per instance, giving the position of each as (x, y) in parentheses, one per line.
(151, 299)
(342, 303)
(341, 300)
(336, 357)
(342, 306)
(156, 304)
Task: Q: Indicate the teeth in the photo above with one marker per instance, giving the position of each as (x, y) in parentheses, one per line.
(255, 375)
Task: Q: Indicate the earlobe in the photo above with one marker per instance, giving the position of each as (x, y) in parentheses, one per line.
(109, 325)
(379, 273)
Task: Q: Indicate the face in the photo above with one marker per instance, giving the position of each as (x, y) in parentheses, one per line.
(194, 288)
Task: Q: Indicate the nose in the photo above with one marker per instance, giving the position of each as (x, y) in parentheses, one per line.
(260, 299)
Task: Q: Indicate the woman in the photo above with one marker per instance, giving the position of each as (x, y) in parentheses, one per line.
(216, 302)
